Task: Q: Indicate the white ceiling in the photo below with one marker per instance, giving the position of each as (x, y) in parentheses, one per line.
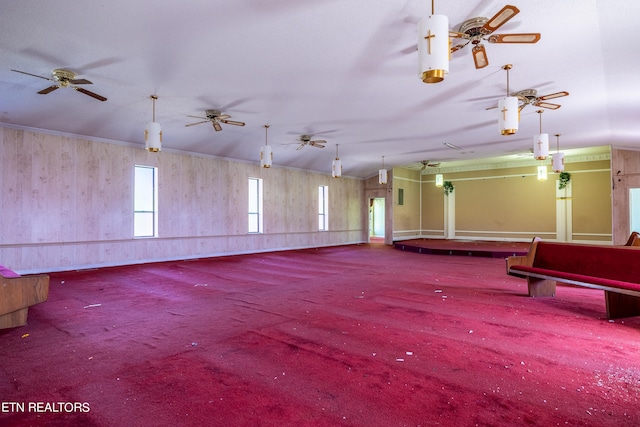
(343, 71)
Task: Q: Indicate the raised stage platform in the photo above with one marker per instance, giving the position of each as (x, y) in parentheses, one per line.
(481, 248)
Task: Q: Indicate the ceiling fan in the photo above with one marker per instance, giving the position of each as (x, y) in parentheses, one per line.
(306, 140)
(475, 30)
(65, 78)
(215, 117)
(530, 97)
(427, 164)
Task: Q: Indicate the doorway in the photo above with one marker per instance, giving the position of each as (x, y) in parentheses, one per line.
(634, 209)
(377, 220)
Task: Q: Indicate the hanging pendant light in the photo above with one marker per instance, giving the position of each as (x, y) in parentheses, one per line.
(433, 47)
(557, 158)
(336, 166)
(153, 132)
(508, 109)
(266, 154)
(541, 142)
(439, 180)
(382, 174)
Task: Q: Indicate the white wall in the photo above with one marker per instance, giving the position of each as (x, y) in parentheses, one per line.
(67, 203)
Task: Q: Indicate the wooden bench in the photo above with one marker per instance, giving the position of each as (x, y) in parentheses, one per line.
(634, 239)
(17, 294)
(613, 269)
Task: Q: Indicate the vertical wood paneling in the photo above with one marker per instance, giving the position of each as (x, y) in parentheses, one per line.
(66, 186)
(276, 187)
(236, 186)
(43, 206)
(12, 221)
(220, 198)
(67, 202)
(625, 174)
(87, 193)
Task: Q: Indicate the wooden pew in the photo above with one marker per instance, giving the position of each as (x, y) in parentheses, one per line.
(634, 239)
(613, 269)
(17, 294)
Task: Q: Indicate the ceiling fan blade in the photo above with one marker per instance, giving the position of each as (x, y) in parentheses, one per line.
(480, 56)
(548, 105)
(231, 122)
(223, 117)
(33, 75)
(408, 50)
(500, 18)
(198, 123)
(318, 144)
(199, 117)
(457, 35)
(514, 38)
(48, 90)
(458, 47)
(300, 146)
(80, 82)
(554, 95)
(216, 126)
(91, 94)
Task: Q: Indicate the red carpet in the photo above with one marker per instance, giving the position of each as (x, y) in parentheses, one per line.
(352, 336)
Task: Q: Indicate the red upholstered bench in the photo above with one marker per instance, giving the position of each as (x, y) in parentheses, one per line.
(18, 293)
(613, 269)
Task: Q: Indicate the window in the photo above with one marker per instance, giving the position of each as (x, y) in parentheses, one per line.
(323, 207)
(255, 205)
(145, 202)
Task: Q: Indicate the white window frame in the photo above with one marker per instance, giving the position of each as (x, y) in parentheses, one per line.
(255, 204)
(323, 208)
(145, 201)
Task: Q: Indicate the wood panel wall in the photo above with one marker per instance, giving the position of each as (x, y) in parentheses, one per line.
(625, 174)
(67, 203)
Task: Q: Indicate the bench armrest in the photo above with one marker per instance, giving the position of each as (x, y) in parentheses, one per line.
(21, 292)
(633, 240)
(524, 259)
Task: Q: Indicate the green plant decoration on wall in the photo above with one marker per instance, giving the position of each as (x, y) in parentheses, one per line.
(448, 188)
(564, 179)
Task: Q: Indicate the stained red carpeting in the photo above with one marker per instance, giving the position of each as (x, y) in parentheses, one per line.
(360, 335)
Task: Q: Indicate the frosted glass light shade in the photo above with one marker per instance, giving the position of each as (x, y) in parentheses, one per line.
(382, 176)
(557, 160)
(508, 115)
(153, 137)
(266, 156)
(541, 146)
(439, 180)
(336, 168)
(433, 48)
